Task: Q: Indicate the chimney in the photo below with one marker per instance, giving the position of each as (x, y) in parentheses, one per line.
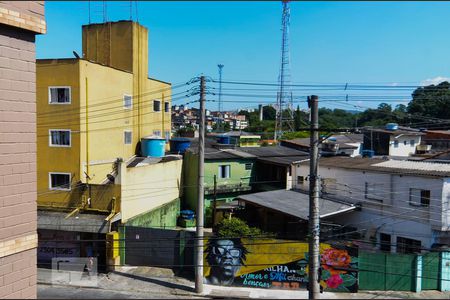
(260, 112)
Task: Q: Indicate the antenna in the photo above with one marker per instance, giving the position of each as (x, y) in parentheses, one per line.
(219, 127)
(89, 9)
(131, 10)
(285, 114)
(105, 13)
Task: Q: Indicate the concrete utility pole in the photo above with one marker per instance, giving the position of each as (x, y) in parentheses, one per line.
(314, 225)
(219, 120)
(200, 202)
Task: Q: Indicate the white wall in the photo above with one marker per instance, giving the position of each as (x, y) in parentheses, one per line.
(352, 152)
(390, 200)
(402, 149)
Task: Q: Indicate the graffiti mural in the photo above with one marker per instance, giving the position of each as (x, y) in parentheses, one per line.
(279, 264)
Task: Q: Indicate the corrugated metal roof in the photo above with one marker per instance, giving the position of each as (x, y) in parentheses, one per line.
(294, 203)
(272, 151)
(374, 164)
(283, 160)
(414, 165)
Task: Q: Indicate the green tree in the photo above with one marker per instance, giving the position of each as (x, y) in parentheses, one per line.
(235, 228)
(430, 101)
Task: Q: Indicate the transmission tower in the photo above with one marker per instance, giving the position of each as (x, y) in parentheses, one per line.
(285, 114)
(219, 120)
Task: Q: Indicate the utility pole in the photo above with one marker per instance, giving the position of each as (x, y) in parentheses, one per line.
(219, 125)
(200, 202)
(214, 201)
(314, 225)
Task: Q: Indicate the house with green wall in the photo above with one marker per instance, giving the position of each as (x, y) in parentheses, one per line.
(238, 171)
(234, 171)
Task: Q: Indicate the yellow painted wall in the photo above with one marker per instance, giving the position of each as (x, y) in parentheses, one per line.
(107, 119)
(57, 116)
(147, 187)
(118, 65)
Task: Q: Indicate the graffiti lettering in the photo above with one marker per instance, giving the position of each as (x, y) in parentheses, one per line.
(284, 269)
(252, 276)
(277, 276)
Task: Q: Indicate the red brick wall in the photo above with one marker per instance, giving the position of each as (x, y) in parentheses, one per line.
(17, 161)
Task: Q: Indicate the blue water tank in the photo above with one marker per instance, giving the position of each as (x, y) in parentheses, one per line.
(223, 139)
(153, 146)
(368, 153)
(391, 126)
(187, 214)
(179, 145)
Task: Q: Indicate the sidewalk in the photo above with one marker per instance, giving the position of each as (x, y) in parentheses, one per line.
(164, 284)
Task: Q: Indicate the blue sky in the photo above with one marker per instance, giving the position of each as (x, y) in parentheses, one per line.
(330, 42)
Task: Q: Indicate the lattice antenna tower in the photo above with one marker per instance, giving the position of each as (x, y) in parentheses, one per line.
(285, 114)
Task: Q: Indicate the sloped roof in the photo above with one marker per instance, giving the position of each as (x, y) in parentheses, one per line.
(295, 203)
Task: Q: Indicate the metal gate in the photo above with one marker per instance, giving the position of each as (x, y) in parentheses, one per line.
(158, 247)
(430, 271)
(386, 271)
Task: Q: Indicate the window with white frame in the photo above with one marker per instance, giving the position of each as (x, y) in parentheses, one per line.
(224, 171)
(156, 105)
(127, 137)
(127, 101)
(59, 137)
(418, 197)
(166, 107)
(59, 181)
(374, 191)
(412, 143)
(396, 144)
(59, 95)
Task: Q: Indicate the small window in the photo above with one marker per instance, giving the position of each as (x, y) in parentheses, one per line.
(59, 95)
(405, 245)
(395, 144)
(127, 101)
(412, 143)
(418, 197)
(248, 166)
(59, 181)
(59, 138)
(156, 105)
(157, 132)
(127, 137)
(374, 191)
(224, 171)
(300, 179)
(385, 242)
(166, 107)
(405, 142)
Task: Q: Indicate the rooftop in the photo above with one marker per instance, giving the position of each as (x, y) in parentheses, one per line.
(295, 203)
(404, 167)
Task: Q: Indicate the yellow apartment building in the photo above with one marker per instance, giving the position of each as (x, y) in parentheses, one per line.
(95, 109)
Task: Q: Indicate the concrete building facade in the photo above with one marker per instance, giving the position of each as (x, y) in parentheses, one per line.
(404, 204)
(19, 23)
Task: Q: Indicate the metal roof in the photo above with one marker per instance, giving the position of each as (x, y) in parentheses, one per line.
(295, 203)
(416, 168)
(283, 160)
(272, 151)
(94, 223)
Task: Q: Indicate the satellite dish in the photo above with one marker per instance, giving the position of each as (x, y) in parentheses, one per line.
(75, 54)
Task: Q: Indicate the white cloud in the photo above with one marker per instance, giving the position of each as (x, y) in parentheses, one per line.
(434, 81)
